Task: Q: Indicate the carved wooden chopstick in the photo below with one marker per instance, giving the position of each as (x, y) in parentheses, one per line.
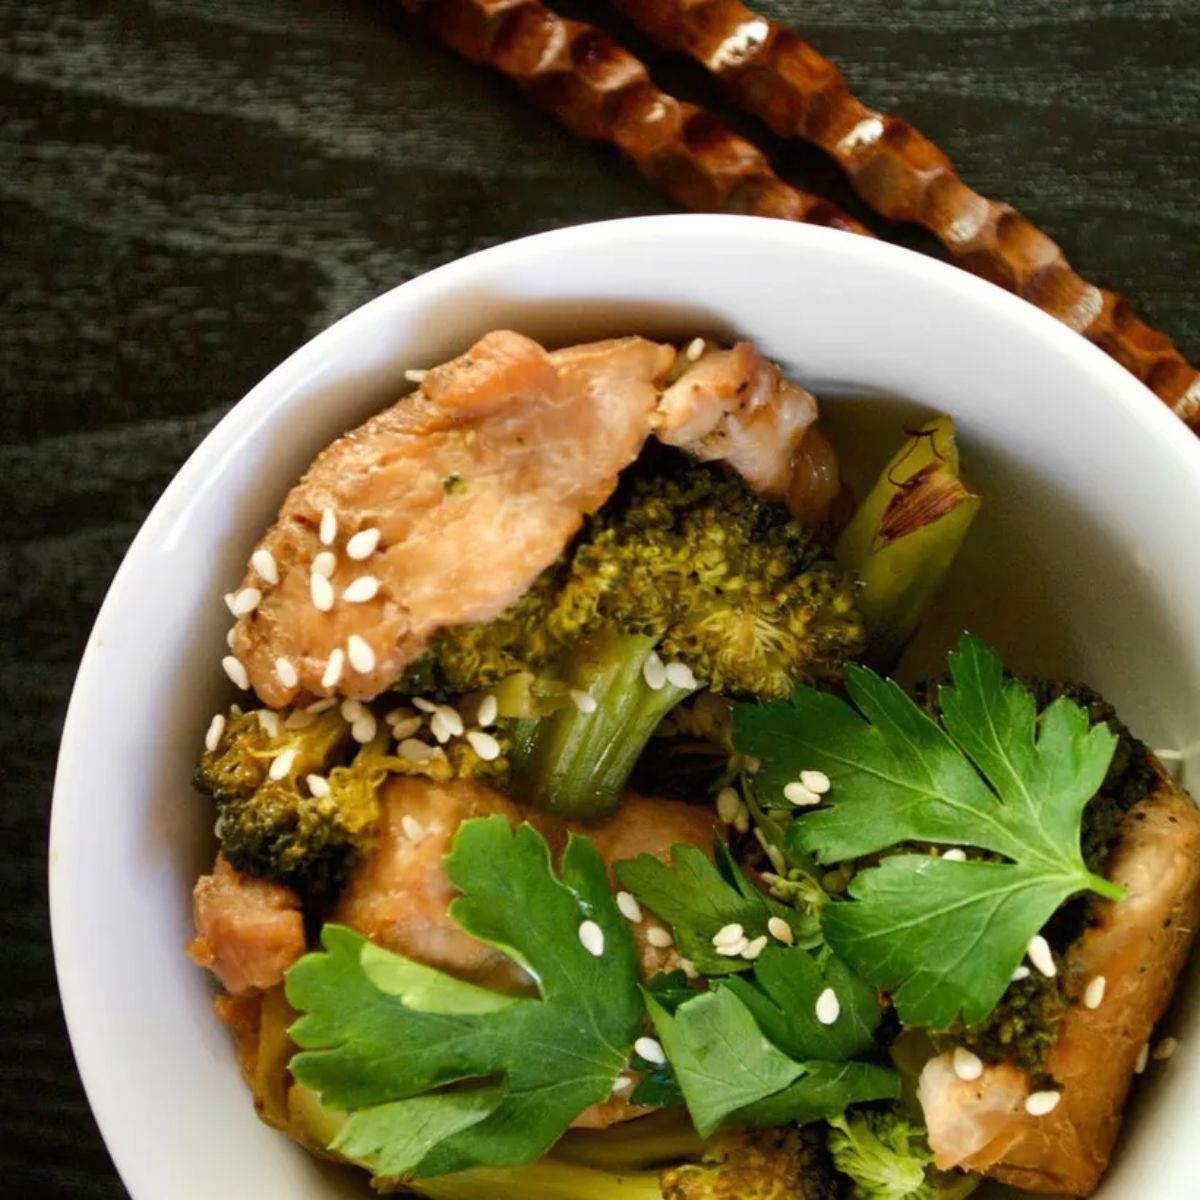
(773, 73)
(602, 92)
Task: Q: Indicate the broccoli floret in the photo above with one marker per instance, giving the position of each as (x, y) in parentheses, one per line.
(1022, 1028)
(885, 1154)
(685, 579)
(766, 1164)
(309, 826)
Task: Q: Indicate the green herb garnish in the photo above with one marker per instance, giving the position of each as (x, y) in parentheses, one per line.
(943, 936)
(698, 899)
(382, 1037)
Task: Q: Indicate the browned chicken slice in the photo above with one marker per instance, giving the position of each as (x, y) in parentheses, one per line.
(399, 897)
(248, 931)
(1138, 946)
(735, 406)
(440, 510)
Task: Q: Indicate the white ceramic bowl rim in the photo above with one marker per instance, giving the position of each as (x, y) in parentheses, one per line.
(75, 954)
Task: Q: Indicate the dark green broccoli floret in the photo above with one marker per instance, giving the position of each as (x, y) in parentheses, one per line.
(1021, 1028)
(685, 579)
(308, 827)
(885, 1154)
(765, 1164)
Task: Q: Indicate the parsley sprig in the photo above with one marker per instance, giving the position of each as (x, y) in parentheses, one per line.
(943, 936)
(437, 1075)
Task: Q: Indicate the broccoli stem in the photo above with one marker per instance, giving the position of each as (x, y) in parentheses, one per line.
(576, 764)
(905, 536)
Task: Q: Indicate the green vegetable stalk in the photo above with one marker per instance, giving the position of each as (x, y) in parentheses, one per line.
(905, 535)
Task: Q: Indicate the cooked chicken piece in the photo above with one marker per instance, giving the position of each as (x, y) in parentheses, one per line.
(399, 896)
(734, 406)
(440, 510)
(248, 931)
(1138, 945)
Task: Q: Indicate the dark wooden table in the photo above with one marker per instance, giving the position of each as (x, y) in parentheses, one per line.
(190, 190)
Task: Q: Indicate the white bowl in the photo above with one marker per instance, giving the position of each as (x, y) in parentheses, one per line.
(1086, 560)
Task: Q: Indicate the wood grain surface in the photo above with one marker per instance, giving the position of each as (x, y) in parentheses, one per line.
(189, 190)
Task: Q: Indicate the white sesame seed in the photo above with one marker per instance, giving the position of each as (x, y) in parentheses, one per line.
(1093, 994)
(955, 854)
(654, 673)
(489, 709)
(796, 793)
(231, 637)
(657, 936)
(246, 601)
(728, 934)
(325, 563)
(282, 763)
(1022, 972)
(286, 673)
(320, 706)
(425, 706)
(815, 781)
(268, 722)
(591, 936)
(1039, 1104)
(362, 544)
(1142, 1059)
(360, 590)
(360, 654)
(781, 931)
(694, 350)
(413, 829)
(650, 1049)
(623, 1084)
(416, 750)
(318, 786)
(752, 764)
(741, 822)
(689, 968)
(451, 718)
(755, 948)
(732, 949)
(405, 727)
(212, 736)
(415, 374)
(1039, 954)
(439, 728)
(263, 562)
(229, 598)
(680, 675)
(351, 710)
(1165, 1049)
(828, 1007)
(333, 668)
(484, 745)
(329, 527)
(584, 701)
(628, 907)
(236, 672)
(728, 803)
(363, 730)
(321, 591)
(299, 719)
(967, 1065)
(219, 828)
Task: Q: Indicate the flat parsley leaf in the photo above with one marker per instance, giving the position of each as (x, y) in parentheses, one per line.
(383, 1038)
(943, 936)
(697, 898)
(754, 1051)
